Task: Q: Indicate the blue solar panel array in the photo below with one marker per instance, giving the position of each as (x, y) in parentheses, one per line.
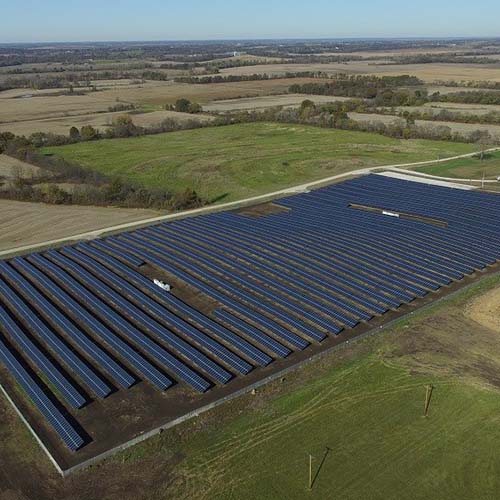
(90, 320)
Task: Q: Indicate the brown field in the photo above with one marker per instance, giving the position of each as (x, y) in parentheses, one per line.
(402, 52)
(24, 223)
(46, 105)
(267, 102)
(10, 167)
(494, 130)
(53, 69)
(101, 121)
(283, 68)
(455, 107)
(427, 72)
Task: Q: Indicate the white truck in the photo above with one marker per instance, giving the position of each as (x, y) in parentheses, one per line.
(163, 286)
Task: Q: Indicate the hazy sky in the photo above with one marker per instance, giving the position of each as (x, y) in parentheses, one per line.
(83, 20)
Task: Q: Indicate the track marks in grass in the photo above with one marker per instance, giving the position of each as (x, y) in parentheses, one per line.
(211, 466)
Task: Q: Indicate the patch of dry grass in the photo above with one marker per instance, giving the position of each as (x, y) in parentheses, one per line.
(23, 223)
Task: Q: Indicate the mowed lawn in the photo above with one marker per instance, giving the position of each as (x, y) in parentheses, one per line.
(238, 161)
(467, 168)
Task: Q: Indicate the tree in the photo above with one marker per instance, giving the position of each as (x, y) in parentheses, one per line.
(186, 200)
(195, 108)
(182, 105)
(123, 126)
(307, 109)
(56, 195)
(89, 133)
(5, 138)
(114, 191)
(409, 118)
(74, 133)
(484, 142)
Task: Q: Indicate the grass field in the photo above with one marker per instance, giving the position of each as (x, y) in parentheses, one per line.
(468, 168)
(244, 160)
(364, 402)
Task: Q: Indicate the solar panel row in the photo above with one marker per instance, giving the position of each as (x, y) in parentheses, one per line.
(273, 284)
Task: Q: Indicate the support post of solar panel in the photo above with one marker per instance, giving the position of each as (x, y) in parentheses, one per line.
(428, 394)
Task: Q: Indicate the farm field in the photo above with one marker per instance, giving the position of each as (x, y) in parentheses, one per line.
(43, 104)
(239, 161)
(427, 72)
(268, 102)
(469, 168)
(364, 401)
(100, 121)
(463, 128)
(455, 107)
(25, 223)
(10, 167)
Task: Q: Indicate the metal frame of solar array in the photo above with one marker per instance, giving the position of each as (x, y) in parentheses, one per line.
(281, 282)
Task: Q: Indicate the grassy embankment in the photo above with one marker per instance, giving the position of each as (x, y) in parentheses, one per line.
(467, 168)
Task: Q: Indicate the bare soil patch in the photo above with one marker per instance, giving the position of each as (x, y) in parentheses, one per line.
(485, 310)
(262, 210)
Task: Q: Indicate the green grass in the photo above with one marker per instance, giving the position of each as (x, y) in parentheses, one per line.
(370, 416)
(245, 160)
(467, 168)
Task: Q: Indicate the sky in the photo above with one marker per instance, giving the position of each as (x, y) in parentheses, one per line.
(122, 20)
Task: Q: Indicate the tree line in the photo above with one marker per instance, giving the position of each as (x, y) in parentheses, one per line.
(201, 80)
(362, 86)
(384, 91)
(441, 58)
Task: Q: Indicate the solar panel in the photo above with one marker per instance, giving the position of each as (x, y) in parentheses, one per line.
(40, 360)
(54, 416)
(141, 364)
(46, 309)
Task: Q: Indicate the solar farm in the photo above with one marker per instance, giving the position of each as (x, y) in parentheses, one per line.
(104, 342)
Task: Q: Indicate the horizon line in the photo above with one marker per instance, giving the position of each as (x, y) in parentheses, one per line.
(249, 39)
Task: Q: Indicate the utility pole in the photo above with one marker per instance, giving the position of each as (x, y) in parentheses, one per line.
(428, 394)
(310, 471)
